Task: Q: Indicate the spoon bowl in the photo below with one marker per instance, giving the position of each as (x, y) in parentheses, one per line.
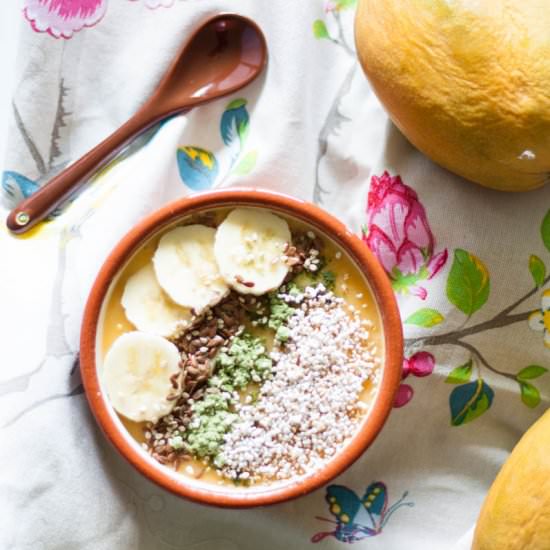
(228, 52)
(224, 54)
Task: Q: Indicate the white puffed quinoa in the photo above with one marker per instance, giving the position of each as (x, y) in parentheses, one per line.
(310, 406)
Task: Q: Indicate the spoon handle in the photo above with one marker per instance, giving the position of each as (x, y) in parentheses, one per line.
(46, 199)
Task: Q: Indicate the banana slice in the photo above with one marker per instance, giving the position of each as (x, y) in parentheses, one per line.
(249, 249)
(136, 372)
(186, 268)
(149, 308)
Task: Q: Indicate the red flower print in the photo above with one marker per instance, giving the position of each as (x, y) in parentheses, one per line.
(420, 364)
(399, 234)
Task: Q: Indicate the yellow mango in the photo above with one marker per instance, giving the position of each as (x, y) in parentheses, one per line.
(516, 512)
(466, 81)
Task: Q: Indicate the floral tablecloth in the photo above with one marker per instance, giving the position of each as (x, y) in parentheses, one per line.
(468, 266)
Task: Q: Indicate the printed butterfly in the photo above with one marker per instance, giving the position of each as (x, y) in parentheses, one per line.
(357, 518)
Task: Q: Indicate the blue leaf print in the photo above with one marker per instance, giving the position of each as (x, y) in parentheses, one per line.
(198, 167)
(235, 122)
(17, 186)
(469, 401)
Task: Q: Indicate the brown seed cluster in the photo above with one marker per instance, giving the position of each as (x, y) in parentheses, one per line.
(240, 280)
(303, 253)
(198, 346)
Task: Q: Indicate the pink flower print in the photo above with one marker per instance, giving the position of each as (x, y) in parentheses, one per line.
(399, 234)
(62, 18)
(420, 364)
(404, 395)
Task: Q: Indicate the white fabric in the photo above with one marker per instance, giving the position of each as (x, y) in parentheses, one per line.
(62, 486)
(9, 13)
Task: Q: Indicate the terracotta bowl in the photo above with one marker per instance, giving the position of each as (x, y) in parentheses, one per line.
(260, 495)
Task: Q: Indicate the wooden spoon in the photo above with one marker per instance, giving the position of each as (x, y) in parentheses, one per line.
(223, 55)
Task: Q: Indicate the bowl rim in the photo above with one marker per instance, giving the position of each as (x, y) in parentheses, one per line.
(312, 215)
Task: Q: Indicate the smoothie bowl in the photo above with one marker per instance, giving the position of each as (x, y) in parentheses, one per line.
(241, 347)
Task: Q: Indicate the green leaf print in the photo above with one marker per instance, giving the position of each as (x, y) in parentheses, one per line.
(529, 394)
(545, 230)
(320, 29)
(530, 372)
(236, 104)
(468, 282)
(345, 4)
(470, 401)
(425, 317)
(246, 164)
(460, 374)
(242, 130)
(402, 283)
(537, 269)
